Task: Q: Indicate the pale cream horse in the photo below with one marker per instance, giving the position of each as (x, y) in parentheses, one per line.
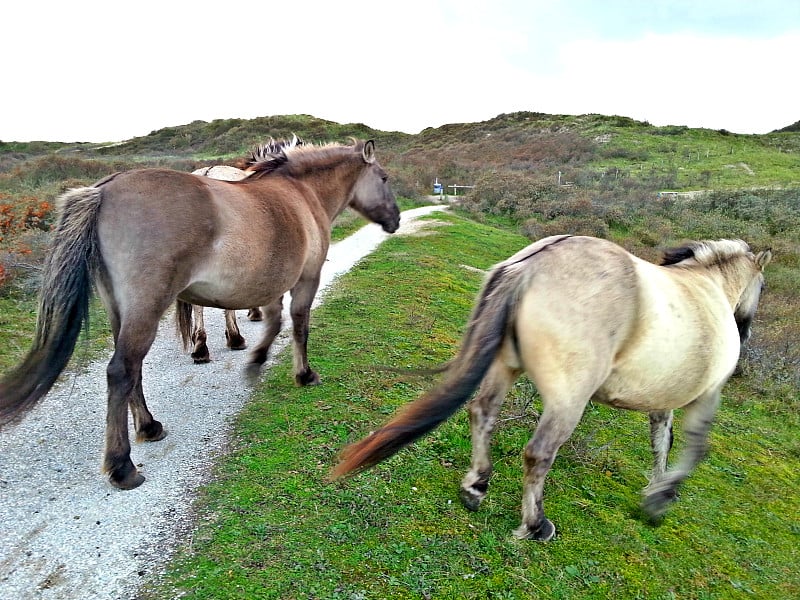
(586, 320)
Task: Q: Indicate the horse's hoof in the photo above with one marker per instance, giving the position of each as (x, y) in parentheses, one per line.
(201, 357)
(255, 314)
(126, 479)
(469, 499)
(252, 372)
(307, 378)
(656, 504)
(235, 342)
(543, 532)
(154, 432)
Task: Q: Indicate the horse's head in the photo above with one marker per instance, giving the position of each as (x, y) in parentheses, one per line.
(745, 309)
(372, 197)
(742, 270)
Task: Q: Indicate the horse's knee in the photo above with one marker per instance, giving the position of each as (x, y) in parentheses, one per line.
(538, 458)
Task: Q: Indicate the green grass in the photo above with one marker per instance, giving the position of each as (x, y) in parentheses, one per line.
(693, 158)
(18, 322)
(349, 221)
(270, 526)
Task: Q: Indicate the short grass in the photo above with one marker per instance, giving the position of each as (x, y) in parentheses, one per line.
(18, 323)
(271, 526)
(692, 158)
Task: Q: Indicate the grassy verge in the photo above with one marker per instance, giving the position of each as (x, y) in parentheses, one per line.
(18, 322)
(269, 526)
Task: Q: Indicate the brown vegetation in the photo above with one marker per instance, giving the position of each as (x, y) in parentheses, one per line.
(540, 174)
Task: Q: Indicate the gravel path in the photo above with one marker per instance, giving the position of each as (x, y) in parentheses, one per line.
(65, 532)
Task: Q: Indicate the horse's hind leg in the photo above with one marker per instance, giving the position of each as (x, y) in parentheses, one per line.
(259, 354)
(483, 412)
(697, 419)
(660, 440)
(558, 421)
(255, 314)
(233, 337)
(200, 352)
(124, 375)
(147, 428)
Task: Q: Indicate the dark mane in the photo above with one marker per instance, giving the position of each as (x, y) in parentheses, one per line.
(298, 158)
(673, 256)
(268, 156)
(706, 253)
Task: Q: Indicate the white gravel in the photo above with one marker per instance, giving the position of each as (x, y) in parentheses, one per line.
(65, 532)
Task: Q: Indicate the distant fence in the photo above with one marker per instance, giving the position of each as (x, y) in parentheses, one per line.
(460, 187)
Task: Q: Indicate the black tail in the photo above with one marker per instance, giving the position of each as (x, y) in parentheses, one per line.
(485, 333)
(63, 303)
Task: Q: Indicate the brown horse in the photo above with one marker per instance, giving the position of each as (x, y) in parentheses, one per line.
(586, 320)
(148, 237)
(233, 336)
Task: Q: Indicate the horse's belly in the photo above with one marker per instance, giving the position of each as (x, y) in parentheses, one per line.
(661, 384)
(637, 394)
(232, 295)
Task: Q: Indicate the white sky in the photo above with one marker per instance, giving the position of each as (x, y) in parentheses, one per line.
(99, 71)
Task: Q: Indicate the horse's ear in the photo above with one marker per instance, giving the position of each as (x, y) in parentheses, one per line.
(369, 151)
(763, 258)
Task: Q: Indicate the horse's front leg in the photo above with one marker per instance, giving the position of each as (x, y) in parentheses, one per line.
(259, 354)
(660, 440)
(233, 337)
(200, 353)
(483, 412)
(697, 419)
(302, 297)
(556, 424)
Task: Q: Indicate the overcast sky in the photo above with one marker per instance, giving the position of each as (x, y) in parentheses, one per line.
(101, 71)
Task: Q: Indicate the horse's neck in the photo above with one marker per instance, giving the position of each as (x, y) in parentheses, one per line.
(733, 283)
(334, 187)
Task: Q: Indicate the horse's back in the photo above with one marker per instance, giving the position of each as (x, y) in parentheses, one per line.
(594, 317)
